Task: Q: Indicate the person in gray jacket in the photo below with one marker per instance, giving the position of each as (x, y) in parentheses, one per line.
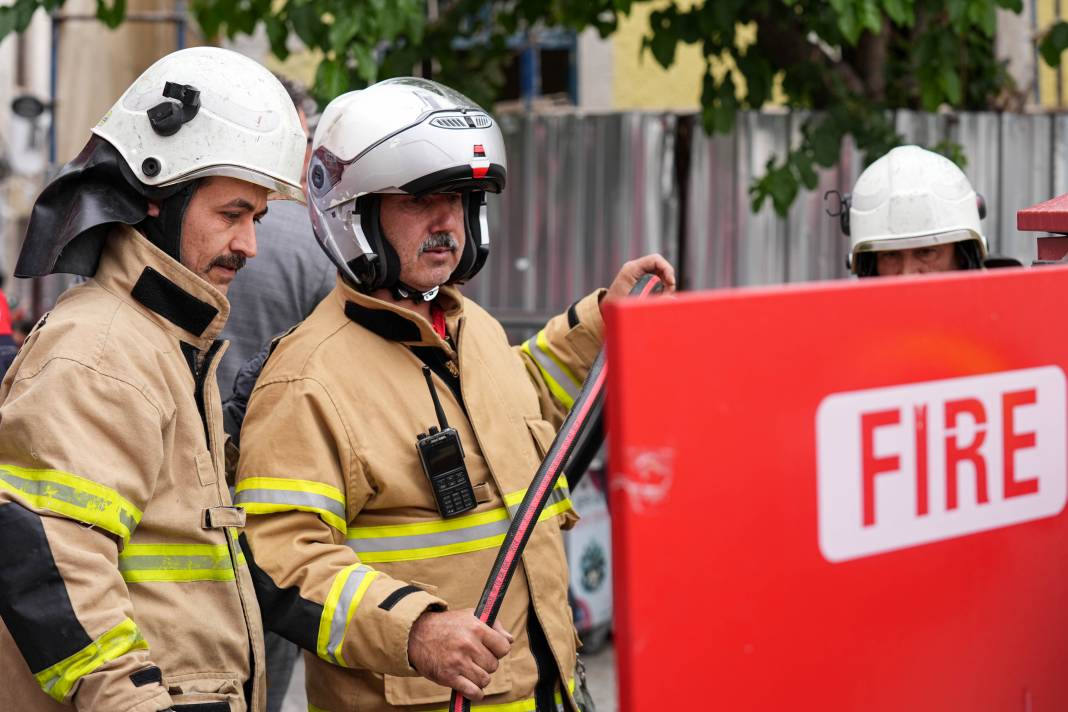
(273, 292)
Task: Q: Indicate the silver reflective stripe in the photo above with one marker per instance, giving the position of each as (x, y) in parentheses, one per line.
(340, 620)
(300, 499)
(463, 539)
(422, 541)
(559, 494)
(552, 369)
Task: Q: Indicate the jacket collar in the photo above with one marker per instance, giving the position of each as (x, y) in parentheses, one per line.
(158, 286)
(395, 322)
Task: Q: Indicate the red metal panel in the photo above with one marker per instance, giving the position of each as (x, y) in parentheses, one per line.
(1048, 216)
(743, 422)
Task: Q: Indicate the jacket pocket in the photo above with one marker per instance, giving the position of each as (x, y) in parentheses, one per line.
(200, 692)
(403, 691)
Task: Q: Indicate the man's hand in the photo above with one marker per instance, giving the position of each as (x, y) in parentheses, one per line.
(632, 271)
(455, 649)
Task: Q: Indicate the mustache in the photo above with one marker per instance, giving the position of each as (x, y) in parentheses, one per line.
(231, 261)
(437, 241)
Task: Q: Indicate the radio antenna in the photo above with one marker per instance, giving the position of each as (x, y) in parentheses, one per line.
(434, 396)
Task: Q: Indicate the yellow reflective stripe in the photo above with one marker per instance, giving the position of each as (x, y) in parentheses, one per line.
(446, 537)
(58, 680)
(560, 381)
(144, 563)
(513, 499)
(430, 527)
(543, 344)
(527, 705)
(267, 495)
(445, 525)
(313, 708)
(555, 378)
(346, 592)
(73, 496)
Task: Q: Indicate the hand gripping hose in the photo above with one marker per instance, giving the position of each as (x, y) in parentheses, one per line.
(578, 438)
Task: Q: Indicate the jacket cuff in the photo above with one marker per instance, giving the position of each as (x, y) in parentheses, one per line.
(586, 337)
(402, 618)
(114, 690)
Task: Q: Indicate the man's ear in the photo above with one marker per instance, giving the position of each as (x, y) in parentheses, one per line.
(153, 209)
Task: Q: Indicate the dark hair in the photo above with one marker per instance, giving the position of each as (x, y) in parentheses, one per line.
(298, 94)
(966, 252)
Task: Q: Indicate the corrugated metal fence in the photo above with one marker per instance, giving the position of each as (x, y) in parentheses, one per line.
(586, 193)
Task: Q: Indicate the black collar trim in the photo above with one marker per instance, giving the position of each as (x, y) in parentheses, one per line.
(385, 323)
(173, 303)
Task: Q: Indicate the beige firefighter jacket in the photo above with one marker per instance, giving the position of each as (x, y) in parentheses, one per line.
(122, 584)
(341, 518)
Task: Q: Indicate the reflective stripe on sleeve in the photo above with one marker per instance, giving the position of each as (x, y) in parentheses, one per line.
(346, 592)
(58, 680)
(562, 383)
(145, 563)
(445, 537)
(72, 496)
(264, 495)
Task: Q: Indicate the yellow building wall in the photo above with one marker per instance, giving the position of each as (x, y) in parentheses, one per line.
(1052, 81)
(639, 82)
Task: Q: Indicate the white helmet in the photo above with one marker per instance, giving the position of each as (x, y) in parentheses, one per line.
(195, 113)
(206, 111)
(910, 198)
(402, 136)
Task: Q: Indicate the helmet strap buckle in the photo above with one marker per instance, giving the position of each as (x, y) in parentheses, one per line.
(402, 291)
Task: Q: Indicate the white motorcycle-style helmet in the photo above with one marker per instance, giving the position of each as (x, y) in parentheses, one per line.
(911, 198)
(401, 136)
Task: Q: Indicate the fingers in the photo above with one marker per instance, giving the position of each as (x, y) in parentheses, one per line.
(656, 264)
(467, 688)
(497, 640)
(500, 629)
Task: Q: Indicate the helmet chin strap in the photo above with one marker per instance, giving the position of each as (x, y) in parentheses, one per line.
(402, 291)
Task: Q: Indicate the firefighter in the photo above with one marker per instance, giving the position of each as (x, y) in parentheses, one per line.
(913, 211)
(122, 585)
(375, 566)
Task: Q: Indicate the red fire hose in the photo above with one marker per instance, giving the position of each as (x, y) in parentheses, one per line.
(579, 436)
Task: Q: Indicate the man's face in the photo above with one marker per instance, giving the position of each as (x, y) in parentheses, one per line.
(427, 234)
(218, 232)
(936, 258)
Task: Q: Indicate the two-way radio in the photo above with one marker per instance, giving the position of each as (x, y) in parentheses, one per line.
(442, 455)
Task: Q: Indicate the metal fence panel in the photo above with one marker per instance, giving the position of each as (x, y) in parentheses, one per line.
(715, 202)
(1026, 178)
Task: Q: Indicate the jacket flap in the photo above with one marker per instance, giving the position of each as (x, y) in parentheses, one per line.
(402, 691)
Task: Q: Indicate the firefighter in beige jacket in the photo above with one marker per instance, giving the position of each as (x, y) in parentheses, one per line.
(354, 559)
(122, 584)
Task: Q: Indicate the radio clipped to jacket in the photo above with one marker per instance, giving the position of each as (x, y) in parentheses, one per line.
(442, 456)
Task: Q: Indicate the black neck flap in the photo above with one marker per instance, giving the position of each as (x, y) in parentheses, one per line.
(173, 303)
(387, 324)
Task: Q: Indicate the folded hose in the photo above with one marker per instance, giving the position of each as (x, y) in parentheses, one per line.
(577, 440)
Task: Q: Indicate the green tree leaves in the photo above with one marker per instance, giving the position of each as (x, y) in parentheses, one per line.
(851, 61)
